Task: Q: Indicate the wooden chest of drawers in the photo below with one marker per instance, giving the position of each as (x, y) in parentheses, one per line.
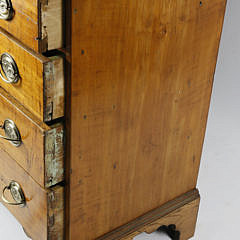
(103, 109)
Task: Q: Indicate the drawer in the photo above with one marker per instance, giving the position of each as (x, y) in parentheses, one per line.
(36, 23)
(43, 212)
(41, 149)
(33, 79)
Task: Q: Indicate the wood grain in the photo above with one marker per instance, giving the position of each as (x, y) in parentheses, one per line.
(41, 153)
(51, 25)
(41, 87)
(142, 74)
(181, 212)
(54, 155)
(54, 92)
(43, 212)
(184, 218)
(37, 23)
(55, 202)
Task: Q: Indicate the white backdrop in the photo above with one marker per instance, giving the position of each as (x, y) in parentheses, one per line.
(219, 179)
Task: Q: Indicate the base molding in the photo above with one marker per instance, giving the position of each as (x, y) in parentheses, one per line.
(181, 212)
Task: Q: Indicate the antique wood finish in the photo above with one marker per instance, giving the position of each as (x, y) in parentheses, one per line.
(41, 87)
(42, 217)
(142, 74)
(51, 12)
(41, 153)
(181, 211)
(37, 23)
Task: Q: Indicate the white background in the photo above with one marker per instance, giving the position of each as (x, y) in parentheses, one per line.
(219, 179)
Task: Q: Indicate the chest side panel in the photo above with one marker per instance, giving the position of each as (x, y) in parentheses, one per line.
(142, 74)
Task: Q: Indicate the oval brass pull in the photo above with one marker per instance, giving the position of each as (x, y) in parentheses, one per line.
(9, 68)
(6, 10)
(12, 133)
(17, 194)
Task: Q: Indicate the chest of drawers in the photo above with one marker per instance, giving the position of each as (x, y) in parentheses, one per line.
(103, 110)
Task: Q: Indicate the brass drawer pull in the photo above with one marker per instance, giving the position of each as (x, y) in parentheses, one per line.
(6, 10)
(9, 68)
(17, 194)
(12, 133)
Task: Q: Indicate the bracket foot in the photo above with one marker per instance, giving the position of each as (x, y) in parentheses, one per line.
(171, 231)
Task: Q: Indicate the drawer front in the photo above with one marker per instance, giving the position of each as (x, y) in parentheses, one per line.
(36, 23)
(42, 214)
(38, 81)
(41, 150)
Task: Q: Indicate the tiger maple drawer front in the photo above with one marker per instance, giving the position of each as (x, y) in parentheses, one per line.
(34, 80)
(36, 23)
(40, 150)
(40, 211)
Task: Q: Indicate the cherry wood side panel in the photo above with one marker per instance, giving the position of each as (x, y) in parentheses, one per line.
(142, 74)
(41, 152)
(41, 84)
(42, 217)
